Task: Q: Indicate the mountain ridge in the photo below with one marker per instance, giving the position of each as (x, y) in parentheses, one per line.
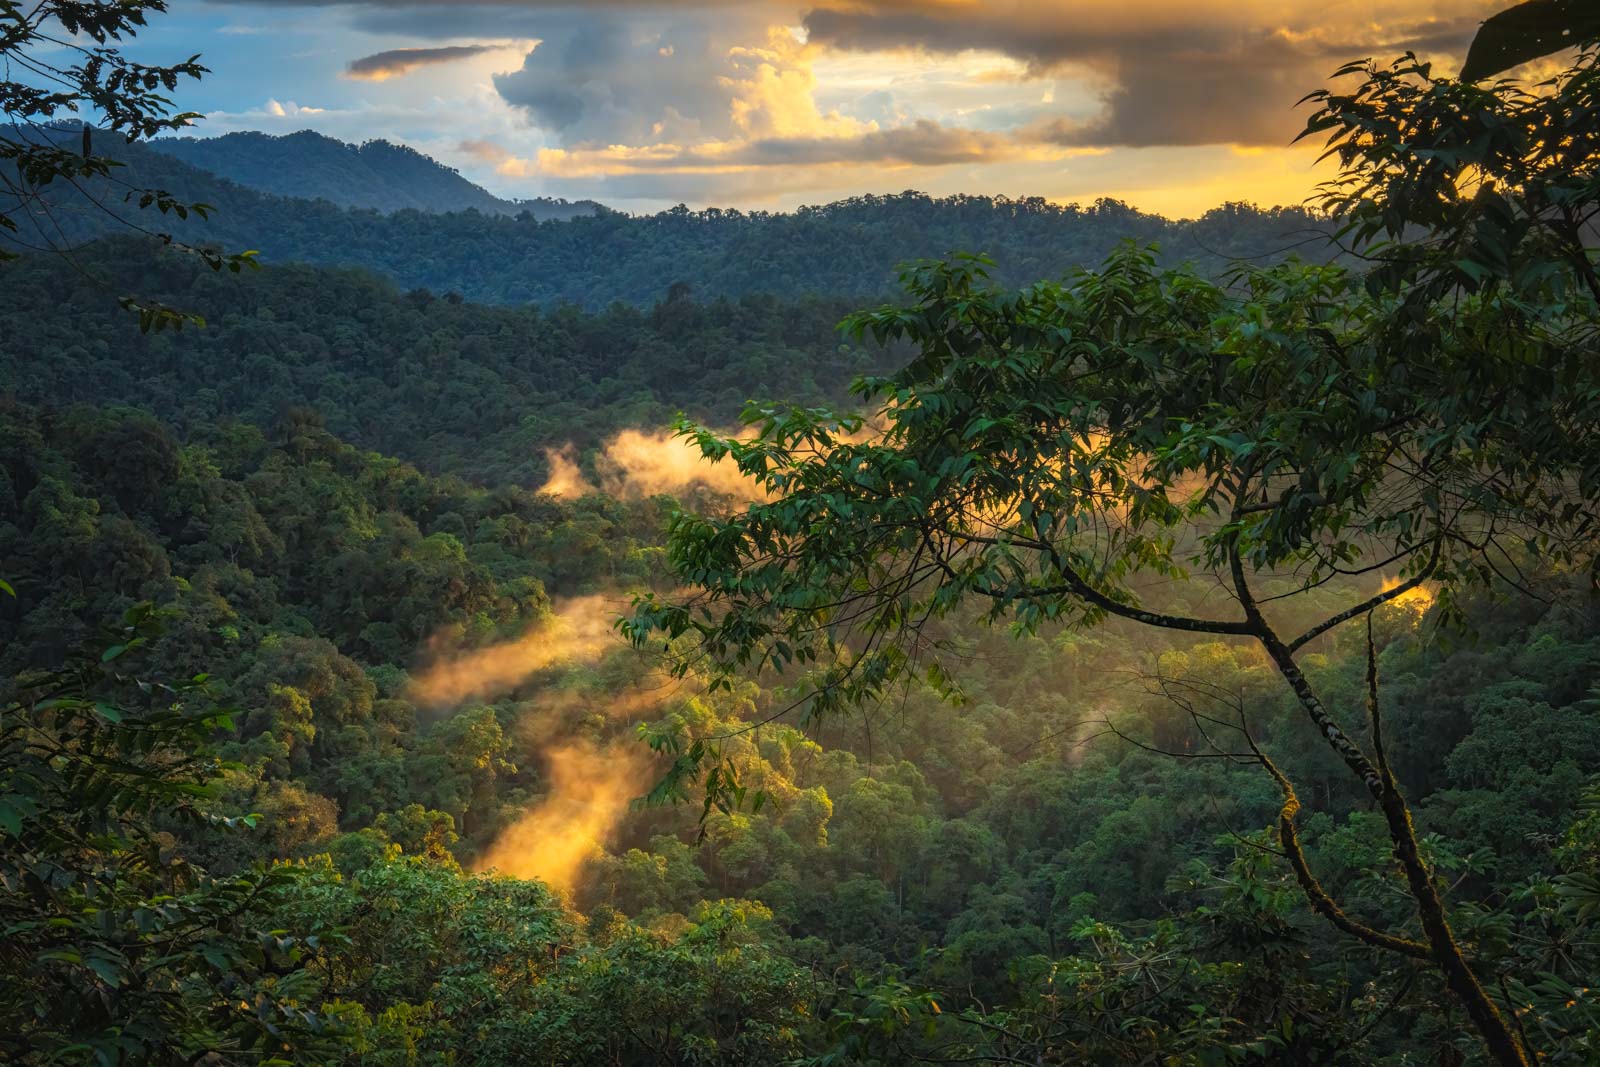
(377, 174)
(849, 248)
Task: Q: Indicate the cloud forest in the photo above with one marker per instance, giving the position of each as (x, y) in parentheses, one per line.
(553, 549)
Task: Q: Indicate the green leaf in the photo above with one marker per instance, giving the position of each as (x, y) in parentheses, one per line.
(108, 970)
(10, 818)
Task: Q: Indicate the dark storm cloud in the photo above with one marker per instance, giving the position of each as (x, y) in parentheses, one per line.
(1166, 73)
(1170, 78)
(511, 18)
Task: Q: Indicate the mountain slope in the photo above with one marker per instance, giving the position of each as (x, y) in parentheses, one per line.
(847, 250)
(378, 174)
(464, 388)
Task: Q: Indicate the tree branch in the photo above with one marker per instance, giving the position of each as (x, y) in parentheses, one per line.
(1321, 902)
(1371, 602)
(1282, 657)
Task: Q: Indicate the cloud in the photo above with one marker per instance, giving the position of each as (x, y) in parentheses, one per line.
(600, 80)
(646, 72)
(919, 143)
(641, 463)
(923, 143)
(589, 787)
(288, 109)
(646, 103)
(1202, 73)
(484, 151)
(422, 117)
(775, 103)
(588, 783)
(398, 62)
(636, 463)
(566, 480)
(690, 98)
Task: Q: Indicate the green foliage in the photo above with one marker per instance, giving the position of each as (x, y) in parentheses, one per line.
(433, 966)
(718, 992)
(945, 846)
(457, 388)
(1057, 453)
(115, 950)
(1165, 996)
(282, 561)
(417, 931)
(47, 139)
(844, 250)
(1085, 864)
(1050, 450)
(376, 174)
(1502, 180)
(959, 852)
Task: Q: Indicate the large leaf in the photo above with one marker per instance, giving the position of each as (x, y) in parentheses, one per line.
(1529, 30)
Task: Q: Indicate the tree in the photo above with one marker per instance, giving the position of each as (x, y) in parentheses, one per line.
(1059, 452)
(717, 993)
(93, 80)
(114, 950)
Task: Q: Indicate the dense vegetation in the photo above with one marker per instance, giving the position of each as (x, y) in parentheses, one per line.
(377, 174)
(847, 249)
(1057, 454)
(449, 385)
(318, 735)
(1000, 852)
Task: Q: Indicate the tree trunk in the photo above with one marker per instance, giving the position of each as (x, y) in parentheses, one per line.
(1443, 951)
(1485, 1014)
(1445, 954)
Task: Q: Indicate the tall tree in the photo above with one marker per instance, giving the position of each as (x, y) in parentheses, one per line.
(1060, 453)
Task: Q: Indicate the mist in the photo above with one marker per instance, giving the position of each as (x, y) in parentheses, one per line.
(590, 788)
(638, 463)
(578, 628)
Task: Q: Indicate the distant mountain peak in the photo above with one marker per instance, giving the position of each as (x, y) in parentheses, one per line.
(378, 174)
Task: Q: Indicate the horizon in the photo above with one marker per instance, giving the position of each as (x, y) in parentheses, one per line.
(1085, 205)
(775, 105)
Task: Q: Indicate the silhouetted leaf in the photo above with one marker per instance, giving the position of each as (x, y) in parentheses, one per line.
(1528, 31)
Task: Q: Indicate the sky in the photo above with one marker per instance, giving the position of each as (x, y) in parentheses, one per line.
(1174, 106)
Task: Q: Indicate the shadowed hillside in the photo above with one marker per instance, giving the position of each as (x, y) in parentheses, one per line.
(849, 249)
(377, 174)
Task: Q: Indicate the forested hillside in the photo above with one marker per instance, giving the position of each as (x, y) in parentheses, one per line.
(378, 174)
(450, 385)
(997, 847)
(849, 249)
(428, 684)
(710, 639)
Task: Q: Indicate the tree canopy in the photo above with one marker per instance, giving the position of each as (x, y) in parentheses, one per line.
(66, 79)
(1055, 453)
(1172, 662)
